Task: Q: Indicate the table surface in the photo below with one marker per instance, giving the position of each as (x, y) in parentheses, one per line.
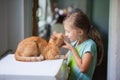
(9, 66)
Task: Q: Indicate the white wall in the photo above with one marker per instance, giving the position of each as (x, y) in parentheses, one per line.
(114, 41)
(28, 6)
(15, 22)
(3, 26)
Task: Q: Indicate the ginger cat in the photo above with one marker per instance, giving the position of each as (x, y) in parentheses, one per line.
(36, 49)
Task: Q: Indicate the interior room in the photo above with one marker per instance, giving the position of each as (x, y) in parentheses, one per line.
(20, 19)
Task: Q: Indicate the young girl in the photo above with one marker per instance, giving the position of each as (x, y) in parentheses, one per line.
(85, 46)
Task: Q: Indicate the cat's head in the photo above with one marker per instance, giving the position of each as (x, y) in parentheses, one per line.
(57, 38)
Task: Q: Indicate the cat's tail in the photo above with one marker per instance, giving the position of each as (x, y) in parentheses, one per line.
(28, 59)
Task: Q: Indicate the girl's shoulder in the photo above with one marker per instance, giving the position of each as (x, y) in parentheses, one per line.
(89, 46)
(89, 41)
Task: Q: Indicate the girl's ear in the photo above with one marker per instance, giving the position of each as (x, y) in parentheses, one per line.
(80, 32)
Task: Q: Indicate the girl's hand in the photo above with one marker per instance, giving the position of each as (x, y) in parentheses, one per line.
(67, 45)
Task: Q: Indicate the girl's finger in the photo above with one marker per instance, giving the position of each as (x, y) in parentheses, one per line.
(64, 47)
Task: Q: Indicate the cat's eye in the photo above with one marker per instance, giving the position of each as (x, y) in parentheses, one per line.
(60, 38)
(54, 37)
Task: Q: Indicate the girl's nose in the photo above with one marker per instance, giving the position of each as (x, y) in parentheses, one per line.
(66, 34)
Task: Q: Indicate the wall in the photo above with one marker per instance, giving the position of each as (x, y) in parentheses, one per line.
(3, 26)
(14, 23)
(82, 4)
(114, 40)
(28, 23)
(100, 18)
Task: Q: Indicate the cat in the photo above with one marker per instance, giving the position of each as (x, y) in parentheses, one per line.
(36, 48)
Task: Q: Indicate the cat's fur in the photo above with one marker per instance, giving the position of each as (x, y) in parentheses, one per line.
(37, 49)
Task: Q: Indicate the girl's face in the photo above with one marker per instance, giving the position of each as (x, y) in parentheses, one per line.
(71, 33)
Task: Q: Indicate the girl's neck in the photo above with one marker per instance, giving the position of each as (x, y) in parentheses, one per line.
(81, 40)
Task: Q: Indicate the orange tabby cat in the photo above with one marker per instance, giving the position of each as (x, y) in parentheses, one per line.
(37, 49)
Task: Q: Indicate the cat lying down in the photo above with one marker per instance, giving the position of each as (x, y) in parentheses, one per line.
(36, 49)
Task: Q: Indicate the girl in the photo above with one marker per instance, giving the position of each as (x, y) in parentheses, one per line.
(85, 46)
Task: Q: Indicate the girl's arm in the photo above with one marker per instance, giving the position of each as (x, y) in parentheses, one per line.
(82, 63)
(66, 56)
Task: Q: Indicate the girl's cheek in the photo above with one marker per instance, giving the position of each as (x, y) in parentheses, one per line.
(66, 34)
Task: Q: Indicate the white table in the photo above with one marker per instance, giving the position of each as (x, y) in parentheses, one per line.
(10, 69)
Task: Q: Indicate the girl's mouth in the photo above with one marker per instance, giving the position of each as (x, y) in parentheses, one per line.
(68, 40)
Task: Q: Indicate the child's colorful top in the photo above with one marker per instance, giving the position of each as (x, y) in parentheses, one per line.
(75, 73)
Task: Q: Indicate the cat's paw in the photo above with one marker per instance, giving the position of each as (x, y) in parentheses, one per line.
(59, 57)
(40, 58)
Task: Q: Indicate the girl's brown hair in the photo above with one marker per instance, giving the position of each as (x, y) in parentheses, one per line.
(80, 20)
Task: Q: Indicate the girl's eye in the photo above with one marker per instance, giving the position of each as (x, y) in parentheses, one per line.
(67, 31)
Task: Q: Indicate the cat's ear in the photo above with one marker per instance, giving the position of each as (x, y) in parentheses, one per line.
(53, 37)
(62, 35)
(54, 33)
